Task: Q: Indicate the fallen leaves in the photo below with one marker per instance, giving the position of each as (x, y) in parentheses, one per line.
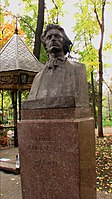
(104, 163)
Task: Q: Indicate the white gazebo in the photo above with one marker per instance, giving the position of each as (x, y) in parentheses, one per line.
(18, 66)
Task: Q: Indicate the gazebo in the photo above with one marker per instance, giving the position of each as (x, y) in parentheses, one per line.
(17, 70)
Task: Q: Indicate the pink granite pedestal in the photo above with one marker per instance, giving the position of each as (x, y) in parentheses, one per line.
(57, 154)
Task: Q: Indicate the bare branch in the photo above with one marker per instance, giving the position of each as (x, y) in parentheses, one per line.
(107, 86)
(55, 4)
(97, 17)
(57, 11)
(103, 7)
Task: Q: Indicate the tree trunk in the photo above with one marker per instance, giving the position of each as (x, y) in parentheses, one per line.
(109, 109)
(93, 99)
(39, 28)
(101, 25)
(100, 127)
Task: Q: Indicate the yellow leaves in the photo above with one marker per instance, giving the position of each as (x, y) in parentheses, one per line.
(6, 31)
(7, 27)
(92, 63)
(108, 46)
(21, 32)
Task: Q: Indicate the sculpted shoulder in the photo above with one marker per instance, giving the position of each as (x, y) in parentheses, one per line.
(75, 67)
(75, 64)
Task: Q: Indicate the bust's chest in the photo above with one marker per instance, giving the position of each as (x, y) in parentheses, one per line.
(57, 82)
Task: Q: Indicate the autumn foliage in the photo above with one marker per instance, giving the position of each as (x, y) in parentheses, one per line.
(7, 27)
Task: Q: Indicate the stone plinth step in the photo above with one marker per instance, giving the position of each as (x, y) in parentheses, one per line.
(9, 166)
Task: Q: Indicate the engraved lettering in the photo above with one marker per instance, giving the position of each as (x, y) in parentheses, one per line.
(47, 148)
(42, 138)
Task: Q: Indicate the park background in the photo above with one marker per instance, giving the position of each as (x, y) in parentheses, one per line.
(82, 26)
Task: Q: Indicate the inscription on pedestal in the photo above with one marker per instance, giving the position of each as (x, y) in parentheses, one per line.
(49, 157)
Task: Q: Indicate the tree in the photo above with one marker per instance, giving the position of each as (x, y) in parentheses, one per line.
(90, 22)
(55, 12)
(84, 34)
(100, 20)
(28, 21)
(7, 27)
(33, 28)
(39, 28)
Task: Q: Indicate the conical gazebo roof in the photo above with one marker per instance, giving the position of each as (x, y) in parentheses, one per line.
(16, 59)
(15, 55)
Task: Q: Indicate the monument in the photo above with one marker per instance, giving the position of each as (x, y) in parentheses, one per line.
(56, 134)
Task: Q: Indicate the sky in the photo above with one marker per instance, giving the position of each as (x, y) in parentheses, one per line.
(68, 21)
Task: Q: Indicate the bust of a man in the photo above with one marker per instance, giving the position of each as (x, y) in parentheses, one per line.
(61, 83)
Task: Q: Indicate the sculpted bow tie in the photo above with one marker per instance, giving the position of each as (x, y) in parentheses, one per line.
(54, 63)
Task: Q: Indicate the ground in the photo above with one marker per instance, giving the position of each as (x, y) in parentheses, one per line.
(11, 183)
(11, 188)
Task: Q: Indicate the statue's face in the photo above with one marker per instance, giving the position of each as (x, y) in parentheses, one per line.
(54, 41)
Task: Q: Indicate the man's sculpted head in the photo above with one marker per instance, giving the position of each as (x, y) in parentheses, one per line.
(55, 39)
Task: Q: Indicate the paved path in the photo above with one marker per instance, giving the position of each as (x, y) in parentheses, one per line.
(106, 131)
(11, 188)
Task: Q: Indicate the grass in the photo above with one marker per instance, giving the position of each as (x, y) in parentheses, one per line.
(107, 123)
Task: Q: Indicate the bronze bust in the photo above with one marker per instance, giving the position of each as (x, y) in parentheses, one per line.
(62, 83)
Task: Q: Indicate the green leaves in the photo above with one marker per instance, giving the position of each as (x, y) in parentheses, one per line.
(28, 20)
(31, 7)
(43, 55)
(28, 25)
(6, 2)
(86, 27)
(52, 15)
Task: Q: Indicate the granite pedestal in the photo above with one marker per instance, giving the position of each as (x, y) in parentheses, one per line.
(57, 154)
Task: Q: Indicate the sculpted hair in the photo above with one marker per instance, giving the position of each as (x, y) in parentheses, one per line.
(67, 42)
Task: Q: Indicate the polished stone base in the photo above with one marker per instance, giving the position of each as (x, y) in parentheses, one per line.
(57, 154)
